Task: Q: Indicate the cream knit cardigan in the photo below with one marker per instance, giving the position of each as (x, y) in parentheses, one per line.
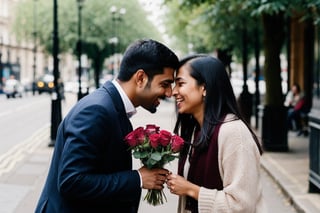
(239, 166)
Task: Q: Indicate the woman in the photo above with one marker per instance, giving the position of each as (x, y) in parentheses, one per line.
(219, 170)
(295, 102)
(293, 96)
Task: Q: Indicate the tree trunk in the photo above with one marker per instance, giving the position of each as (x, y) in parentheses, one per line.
(274, 128)
(274, 35)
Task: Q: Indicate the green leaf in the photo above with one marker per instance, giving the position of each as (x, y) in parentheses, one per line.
(156, 156)
(144, 154)
(150, 163)
(136, 155)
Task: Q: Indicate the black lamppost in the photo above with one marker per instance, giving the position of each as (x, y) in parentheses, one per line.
(9, 57)
(35, 46)
(79, 47)
(122, 12)
(114, 41)
(56, 116)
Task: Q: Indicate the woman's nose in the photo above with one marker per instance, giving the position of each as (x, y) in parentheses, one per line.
(174, 91)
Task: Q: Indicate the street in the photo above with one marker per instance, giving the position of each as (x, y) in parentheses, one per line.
(21, 118)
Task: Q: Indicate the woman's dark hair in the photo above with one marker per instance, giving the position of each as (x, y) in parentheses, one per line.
(219, 100)
(149, 55)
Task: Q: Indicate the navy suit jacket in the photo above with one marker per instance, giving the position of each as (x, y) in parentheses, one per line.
(91, 168)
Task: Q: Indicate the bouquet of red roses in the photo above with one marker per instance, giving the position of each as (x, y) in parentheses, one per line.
(155, 148)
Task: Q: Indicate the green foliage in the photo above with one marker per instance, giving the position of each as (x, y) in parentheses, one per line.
(153, 158)
(97, 25)
(211, 25)
(218, 24)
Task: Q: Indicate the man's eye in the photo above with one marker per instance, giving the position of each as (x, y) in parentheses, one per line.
(165, 85)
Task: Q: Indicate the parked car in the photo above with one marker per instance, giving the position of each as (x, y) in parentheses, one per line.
(13, 88)
(45, 84)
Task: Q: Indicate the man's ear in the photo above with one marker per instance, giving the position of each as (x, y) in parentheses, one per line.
(141, 78)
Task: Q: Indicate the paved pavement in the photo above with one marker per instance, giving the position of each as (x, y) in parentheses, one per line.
(291, 171)
(24, 168)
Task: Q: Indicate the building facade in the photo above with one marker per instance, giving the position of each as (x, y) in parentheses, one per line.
(26, 60)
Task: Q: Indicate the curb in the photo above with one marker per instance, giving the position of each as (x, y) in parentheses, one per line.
(299, 198)
(272, 172)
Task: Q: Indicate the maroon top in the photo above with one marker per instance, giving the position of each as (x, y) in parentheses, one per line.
(204, 168)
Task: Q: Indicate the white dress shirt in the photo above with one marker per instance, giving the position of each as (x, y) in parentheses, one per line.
(130, 109)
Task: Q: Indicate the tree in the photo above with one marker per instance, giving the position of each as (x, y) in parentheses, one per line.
(97, 27)
(226, 19)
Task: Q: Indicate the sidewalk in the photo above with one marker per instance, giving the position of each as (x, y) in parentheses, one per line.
(290, 170)
(24, 169)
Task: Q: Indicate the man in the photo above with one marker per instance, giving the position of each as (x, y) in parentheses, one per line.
(91, 169)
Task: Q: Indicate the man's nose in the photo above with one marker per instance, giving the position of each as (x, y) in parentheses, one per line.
(168, 92)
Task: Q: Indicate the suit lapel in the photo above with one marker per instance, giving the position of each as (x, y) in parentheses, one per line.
(119, 106)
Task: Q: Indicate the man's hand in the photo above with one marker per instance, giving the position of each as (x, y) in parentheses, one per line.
(153, 178)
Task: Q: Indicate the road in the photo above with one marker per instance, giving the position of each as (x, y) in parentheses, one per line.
(21, 119)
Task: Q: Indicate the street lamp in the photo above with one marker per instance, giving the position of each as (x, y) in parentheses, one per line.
(122, 12)
(35, 46)
(56, 116)
(79, 47)
(114, 41)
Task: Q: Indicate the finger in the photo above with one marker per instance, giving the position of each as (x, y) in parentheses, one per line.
(172, 189)
(161, 177)
(160, 182)
(173, 176)
(158, 187)
(162, 171)
(169, 177)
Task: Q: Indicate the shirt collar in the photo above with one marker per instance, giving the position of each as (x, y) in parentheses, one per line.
(130, 109)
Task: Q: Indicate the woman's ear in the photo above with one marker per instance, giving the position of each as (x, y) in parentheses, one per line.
(204, 93)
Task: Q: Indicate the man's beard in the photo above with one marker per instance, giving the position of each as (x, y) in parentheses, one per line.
(153, 109)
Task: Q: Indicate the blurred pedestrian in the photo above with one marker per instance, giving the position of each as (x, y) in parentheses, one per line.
(91, 169)
(295, 102)
(219, 169)
(293, 96)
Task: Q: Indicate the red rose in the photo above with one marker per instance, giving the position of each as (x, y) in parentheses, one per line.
(154, 140)
(151, 129)
(177, 143)
(165, 137)
(154, 148)
(135, 137)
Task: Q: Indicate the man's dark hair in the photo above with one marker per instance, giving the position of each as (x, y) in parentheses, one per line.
(149, 55)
